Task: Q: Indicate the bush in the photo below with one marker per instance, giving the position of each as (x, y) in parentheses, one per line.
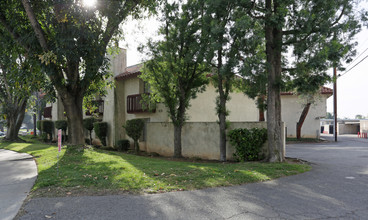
(47, 127)
(63, 125)
(88, 124)
(38, 125)
(248, 143)
(123, 145)
(101, 131)
(134, 129)
(44, 137)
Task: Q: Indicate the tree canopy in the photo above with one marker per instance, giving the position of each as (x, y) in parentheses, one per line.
(70, 41)
(20, 76)
(177, 72)
(302, 39)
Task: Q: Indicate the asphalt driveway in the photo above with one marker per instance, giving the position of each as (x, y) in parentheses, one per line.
(336, 188)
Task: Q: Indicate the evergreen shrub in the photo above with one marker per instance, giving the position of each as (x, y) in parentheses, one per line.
(134, 129)
(101, 131)
(47, 126)
(248, 143)
(123, 145)
(88, 124)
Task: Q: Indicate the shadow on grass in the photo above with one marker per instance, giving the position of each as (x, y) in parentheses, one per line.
(82, 170)
(24, 147)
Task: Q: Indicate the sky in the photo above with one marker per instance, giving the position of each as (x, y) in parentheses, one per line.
(352, 87)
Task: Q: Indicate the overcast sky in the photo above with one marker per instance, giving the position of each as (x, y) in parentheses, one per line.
(352, 87)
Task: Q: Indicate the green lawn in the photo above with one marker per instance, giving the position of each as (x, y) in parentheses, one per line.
(92, 171)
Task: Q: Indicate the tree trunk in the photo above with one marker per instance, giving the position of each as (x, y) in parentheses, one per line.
(14, 120)
(73, 107)
(301, 120)
(261, 114)
(136, 147)
(90, 137)
(261, 108)
(177, 141)
(34, 125)
(222, 118)
(273, 37)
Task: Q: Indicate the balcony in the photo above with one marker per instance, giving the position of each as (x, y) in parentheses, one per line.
(47, 112)
(100, 108)
(135, 105)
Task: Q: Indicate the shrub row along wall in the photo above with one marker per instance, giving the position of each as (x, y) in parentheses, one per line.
(199, 139)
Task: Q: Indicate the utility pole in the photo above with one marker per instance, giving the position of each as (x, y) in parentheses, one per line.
(335, 102)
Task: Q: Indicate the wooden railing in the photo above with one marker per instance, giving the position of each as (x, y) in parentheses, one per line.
(135, 104)
(47, 112)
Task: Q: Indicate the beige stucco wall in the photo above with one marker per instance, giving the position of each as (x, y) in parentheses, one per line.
(118, 65)
(363, 126)
(199, 139)
(348, 128)
(57, 113)
(203, 108)
(292, 107)
(127, 87)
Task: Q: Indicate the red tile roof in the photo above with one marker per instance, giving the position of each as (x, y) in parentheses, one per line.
(326, 90)
(130, 72)
(134, 71)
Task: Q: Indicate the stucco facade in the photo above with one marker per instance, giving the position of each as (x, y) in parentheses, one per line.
(291, 109)
(199, 139)
(202, 110)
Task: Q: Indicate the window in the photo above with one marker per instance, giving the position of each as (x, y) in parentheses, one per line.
(47, 112)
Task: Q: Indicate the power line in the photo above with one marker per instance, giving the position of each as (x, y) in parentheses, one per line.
(357, 57)
(354, 66)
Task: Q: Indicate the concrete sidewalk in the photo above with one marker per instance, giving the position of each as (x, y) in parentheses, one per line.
(18, 172)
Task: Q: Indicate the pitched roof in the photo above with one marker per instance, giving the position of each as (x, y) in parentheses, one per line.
(134, 71)
(130, 72)
(324, 91)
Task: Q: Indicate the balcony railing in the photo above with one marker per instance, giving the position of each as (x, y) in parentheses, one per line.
(135, 104)
(47, 112)
(100, 108)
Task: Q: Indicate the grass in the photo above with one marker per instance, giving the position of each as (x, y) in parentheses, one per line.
(93, 171)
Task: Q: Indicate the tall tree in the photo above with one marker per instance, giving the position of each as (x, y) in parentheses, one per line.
(307, 86)
(70, 40)
(20, 76)
(176, 72)
(315, 33)
(254, 79)
(228, 28)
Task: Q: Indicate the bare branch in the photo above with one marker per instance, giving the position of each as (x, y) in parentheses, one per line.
(35, 25)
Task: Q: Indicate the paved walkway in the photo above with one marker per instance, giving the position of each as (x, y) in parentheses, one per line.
(17, 175)
(336, 188)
